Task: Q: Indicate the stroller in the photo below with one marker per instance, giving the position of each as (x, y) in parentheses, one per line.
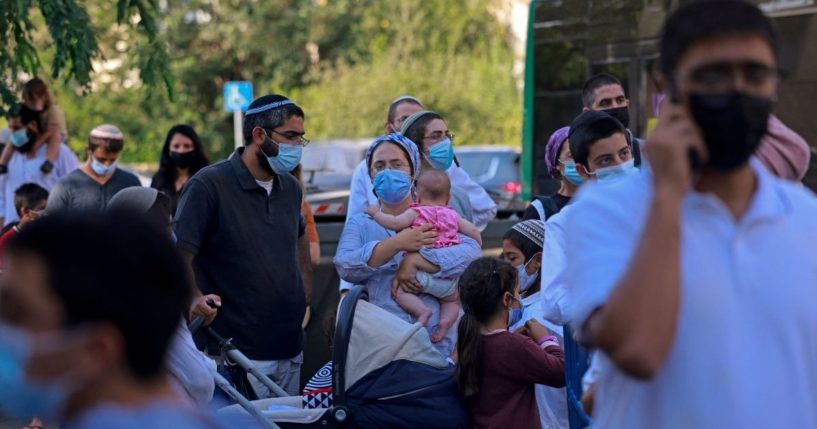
(385, 374)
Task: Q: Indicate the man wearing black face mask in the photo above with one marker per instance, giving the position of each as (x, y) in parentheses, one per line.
(604, 92)
(696, 279)
(24, 165)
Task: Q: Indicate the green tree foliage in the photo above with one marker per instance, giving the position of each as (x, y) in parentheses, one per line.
(342, 60)
(72, 41)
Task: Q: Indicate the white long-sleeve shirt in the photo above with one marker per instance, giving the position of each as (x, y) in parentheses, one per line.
(24, 170)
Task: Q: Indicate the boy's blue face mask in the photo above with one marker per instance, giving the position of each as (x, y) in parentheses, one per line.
(615, 172)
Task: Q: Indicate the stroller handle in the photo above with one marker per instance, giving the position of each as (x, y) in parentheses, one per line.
(343, 333)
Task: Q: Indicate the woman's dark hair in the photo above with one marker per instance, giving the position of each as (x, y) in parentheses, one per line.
(528, 247)
(165, 178)
(482, 286)
(417, 130)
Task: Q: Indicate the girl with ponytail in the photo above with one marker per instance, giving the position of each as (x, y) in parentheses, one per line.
(497, 369)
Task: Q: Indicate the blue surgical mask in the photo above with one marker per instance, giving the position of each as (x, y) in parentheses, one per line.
(21, 399)
(525, 279)
(100, 168)
(441, 154)
(19, 138)
(392, 186)
(609, 174)
(571, 174)
(289, 156)
(514, 314)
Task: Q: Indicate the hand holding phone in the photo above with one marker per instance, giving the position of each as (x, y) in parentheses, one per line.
(675, 148)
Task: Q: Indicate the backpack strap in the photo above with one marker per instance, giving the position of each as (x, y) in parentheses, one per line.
(545, 206)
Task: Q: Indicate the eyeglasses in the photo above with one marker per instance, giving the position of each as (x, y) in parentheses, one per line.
(722, 76)
(379, 166)
(292, 138)
(438, 135)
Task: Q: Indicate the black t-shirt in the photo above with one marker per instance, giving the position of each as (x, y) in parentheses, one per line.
(245, 247)
(557, 201)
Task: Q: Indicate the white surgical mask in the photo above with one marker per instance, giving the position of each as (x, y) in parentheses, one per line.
(526, 280)
(614, 172)
(100, 168)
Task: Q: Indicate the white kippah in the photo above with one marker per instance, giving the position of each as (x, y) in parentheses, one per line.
(533, 230)
(108, 132)
(404, 98)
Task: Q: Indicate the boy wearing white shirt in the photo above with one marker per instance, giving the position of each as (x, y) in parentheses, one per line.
(697, 280)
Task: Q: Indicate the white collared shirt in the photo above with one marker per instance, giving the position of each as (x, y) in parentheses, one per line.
(745, 348)
(22, 170)
(553, 267)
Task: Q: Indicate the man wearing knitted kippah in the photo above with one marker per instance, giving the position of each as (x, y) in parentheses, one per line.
(90, 187)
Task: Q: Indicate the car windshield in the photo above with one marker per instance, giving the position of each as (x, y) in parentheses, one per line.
(490, 166)
(330, 165)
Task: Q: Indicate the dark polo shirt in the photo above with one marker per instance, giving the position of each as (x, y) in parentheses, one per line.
(245, 247)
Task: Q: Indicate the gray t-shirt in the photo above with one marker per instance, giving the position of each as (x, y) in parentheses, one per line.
(77, 191)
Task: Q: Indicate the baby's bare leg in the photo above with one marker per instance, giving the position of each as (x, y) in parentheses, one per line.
(449, 311)
(413, 305)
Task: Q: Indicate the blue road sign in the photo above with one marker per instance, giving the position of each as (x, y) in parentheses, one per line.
(237, 96)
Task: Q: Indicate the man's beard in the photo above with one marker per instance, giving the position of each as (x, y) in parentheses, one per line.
(262, 160)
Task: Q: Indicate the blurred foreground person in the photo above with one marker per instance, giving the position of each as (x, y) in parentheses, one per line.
(83, 346)
(697, 279)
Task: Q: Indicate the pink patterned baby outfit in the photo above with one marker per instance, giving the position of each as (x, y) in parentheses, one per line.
(445, 221)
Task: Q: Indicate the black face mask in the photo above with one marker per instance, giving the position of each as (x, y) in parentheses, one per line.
(622, 114)
(183, 160)
(732, 126)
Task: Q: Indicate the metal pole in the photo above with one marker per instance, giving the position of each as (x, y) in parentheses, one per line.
(239, 135)
(228, 388)
(242, 361)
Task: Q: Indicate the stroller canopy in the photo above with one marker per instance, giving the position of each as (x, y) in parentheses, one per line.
(379, 338)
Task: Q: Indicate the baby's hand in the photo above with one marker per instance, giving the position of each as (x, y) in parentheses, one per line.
(371, 210)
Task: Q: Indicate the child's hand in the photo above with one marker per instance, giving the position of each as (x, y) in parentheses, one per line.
(371, 210)
(535, 330)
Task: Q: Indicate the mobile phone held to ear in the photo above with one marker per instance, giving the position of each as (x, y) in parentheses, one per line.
(695, 163)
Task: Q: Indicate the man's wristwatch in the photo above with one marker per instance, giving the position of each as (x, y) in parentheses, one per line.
(47, 167)
(3, 169)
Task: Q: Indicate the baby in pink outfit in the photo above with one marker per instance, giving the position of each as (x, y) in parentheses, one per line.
(433, 194)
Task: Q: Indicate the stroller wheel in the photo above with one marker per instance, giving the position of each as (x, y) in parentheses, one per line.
(340, 414)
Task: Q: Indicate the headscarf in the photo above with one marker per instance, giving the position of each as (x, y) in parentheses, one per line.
(553, 147)
(533, 230)
(402, 141)
(413, 118)
(784, 152)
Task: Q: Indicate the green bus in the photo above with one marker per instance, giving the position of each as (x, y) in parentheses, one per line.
(570, 40)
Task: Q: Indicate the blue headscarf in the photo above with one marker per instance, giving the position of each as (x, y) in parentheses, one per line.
(400, 140)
